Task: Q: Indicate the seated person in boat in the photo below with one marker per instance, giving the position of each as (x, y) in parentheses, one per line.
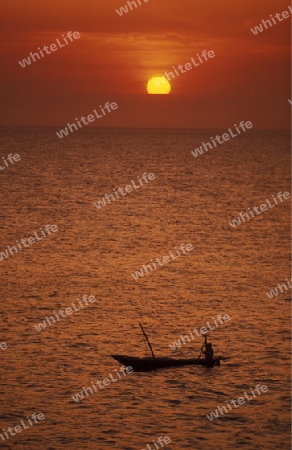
(209, 352)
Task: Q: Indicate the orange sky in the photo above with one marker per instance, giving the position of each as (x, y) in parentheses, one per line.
(249, 79)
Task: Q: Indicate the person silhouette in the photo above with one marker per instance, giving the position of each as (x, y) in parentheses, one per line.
(208, 352)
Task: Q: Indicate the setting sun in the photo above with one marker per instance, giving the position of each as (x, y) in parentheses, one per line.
(158, 85)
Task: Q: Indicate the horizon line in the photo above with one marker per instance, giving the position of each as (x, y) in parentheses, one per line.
(139, 127)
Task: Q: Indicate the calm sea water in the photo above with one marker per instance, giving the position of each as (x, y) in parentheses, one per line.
(95, 251)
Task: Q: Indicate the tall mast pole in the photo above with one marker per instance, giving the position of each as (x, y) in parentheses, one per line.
(146, 337)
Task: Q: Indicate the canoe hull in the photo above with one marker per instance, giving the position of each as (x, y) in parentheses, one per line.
(148, 364)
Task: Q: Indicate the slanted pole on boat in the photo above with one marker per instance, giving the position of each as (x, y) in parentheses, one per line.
(146, 337)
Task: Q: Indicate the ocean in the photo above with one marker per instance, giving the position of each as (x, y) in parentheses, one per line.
(93, 253)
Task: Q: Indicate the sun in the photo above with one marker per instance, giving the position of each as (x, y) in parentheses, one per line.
(158, 85)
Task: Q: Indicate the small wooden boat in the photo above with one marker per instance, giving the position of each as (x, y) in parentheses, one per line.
(152, 363)
(149, 363)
